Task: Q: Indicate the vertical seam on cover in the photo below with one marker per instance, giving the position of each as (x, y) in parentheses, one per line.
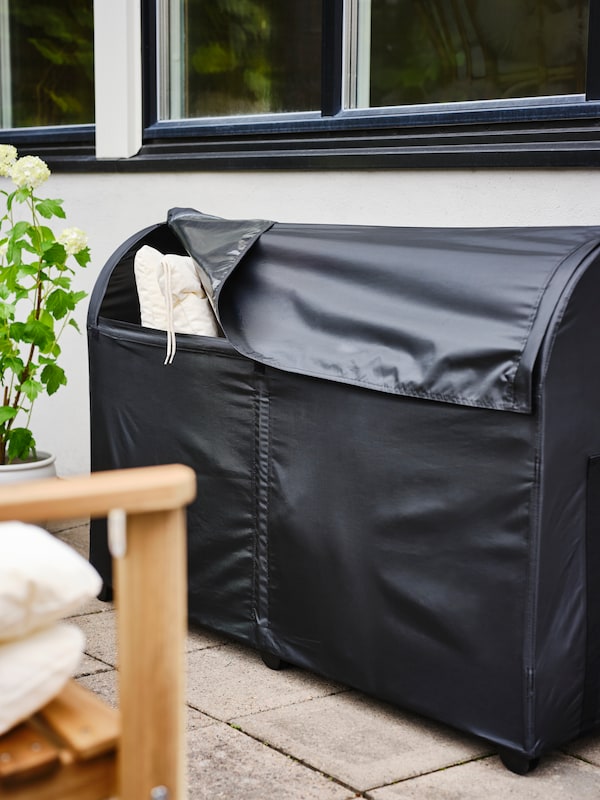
(531, 600)
(255, 544)
(264, 468)
(261, 505)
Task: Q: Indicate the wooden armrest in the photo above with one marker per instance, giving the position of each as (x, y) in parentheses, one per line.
(139, 490)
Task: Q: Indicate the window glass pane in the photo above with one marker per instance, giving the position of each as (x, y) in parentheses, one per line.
(428, 51)
(240, 57)
(46, 63)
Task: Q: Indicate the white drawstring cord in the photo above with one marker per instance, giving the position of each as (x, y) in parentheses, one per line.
(171, 341)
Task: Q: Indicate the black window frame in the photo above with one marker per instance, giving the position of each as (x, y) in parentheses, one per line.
(543, 132)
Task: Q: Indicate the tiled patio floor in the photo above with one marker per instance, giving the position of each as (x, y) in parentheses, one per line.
(256, 734)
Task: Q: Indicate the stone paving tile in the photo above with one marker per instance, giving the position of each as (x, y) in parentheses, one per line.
(224, 764)
(100, 635)
(103, 684)
(232, 681)
(101, 638)
(89, 666)
(199, 639)
(587, 748)
(66, 527)
(196, 719)
(361, 742)
(76, 535)
(93, 606)
(557, 778)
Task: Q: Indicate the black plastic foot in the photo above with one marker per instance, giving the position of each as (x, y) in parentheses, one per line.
(518, 763)
(273, 662)
(106, 594)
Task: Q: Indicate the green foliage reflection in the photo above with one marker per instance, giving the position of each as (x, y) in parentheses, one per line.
(52, 62)
(425, 51)
(251, 56)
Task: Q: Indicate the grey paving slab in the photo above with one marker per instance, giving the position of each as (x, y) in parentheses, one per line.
(199, 639)
(360, 741)
(224, 764)
(100, 635)
(89, 666)
(104, 684)
(63, 527)
(557, 778)
(196, 719)
(587, 748)
(93, 606)
(232, 681)
(76, 534)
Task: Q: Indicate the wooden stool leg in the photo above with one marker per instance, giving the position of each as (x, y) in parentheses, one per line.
(151, 599)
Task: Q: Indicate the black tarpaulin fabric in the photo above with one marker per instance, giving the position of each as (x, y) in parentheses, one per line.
(447, 315)
(396, 446)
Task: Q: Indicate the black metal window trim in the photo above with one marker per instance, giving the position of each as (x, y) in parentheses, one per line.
(543, 132)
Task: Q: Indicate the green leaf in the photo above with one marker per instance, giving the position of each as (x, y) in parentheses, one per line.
(17, 332)
(29, 269)
(74, 325)
(20, 229)
(64, 282)
(13, 253)
(83, 257)
(56, 254)
(50, 208)
(31, 389)
(21, 444)
(53, 377)
(7, 311)
(34, 331)
(6, 413)
(13, 364)
(59, 303)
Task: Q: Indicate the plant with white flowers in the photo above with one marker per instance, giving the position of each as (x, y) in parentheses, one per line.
(36, 298)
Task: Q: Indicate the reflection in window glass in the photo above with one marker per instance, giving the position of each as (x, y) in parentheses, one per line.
(428, 51)
(242, 57)
(47, 62)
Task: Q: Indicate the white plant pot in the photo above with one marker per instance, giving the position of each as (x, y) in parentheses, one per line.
(42, 467)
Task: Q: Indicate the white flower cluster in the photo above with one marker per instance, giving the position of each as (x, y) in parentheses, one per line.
(8, 156)
(29, 171)
(73, 240)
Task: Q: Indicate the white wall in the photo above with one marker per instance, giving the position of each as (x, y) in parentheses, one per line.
(112, 207)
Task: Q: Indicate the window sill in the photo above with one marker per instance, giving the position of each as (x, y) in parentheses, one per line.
(345, 142)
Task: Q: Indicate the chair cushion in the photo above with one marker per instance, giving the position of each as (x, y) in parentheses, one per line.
(34, 669)
(41, 579)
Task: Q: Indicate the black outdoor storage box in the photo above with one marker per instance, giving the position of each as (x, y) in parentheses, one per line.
(397, 446)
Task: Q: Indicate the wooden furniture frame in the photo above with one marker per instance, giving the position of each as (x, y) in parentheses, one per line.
(146, 512)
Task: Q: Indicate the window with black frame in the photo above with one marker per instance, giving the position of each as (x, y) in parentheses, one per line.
(241, 57)
(435, 51)
(309, 83)
(374, 82)
(46, 63)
